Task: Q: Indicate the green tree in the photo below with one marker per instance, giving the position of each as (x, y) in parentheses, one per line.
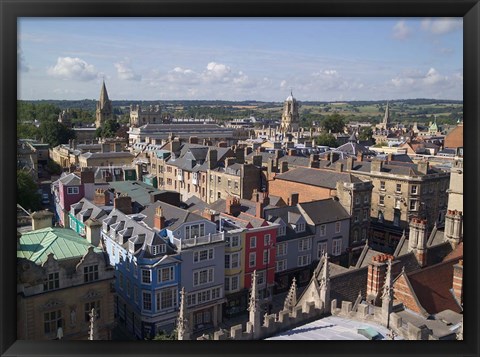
(108, 129)
(163, 335)
(334, 123)
(326, 139)
(27, 131)
(55, 133)
(27, 195)
(365, 134)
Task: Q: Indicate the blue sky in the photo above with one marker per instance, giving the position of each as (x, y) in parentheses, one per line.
(241, 59)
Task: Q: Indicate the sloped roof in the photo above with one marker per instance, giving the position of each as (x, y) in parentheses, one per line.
(64, 243)
(139, 191)
(70, 180)
(317, 177)
(324, 211)
(174, 216)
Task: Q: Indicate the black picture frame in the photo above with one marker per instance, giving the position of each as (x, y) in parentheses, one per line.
(12, 9)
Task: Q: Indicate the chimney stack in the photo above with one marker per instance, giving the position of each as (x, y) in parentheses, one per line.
(261, 204)
(159, 219)
(422, 167)
(359, 156)
(454, 227)
(101, 197)
(193, 140)
(314, 161)
(377, 270)
(41, 219)
(417, 240)
(376, 166)
(87, 176)
(123, 203)
(93, 231)
(232, 206)
(339, 167)
(212, 158)
(240, 155)
(257, 161)
(349, 163)
(293, 199)
(208, 214)
(283, 167)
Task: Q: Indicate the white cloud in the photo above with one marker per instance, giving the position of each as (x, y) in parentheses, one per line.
(401, 31)
(183, 76)
(283, 84)
(22, 64)
(431, 82)
(442, 25)
(126, 72)
(217, 72)
(73, 68)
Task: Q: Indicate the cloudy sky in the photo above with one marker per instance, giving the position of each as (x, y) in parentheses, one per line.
(241, 59)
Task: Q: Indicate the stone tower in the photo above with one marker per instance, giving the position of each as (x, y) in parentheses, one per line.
(104, 108)
(290, 117)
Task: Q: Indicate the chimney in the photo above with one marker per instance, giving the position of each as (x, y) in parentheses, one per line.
(101, 197)
(349, 163)
(359, 156)
(193, 140)
(334, 156)
(159, 219)
(212, 158)
(175, 145)
(240, 155)
(139, 171)
(293, 199)
(41, 219)
(208, 214)
(283, 167)
(422, 167)
(457, 286)
(376, 166)
(93, 231)
(339, 167)
(417, 240)
(314, 161)
(248, 150)
(232, 206)
(261, 149)
(123, 203)
(257, 161)
(292, 152)
(255, 195)
(377, 271)
(454, 227)
(261, 204)
(87, 177)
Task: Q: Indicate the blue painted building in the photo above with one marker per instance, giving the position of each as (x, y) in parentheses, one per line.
(147, 271)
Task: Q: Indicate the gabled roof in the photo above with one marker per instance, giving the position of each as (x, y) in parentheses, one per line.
(139, 191)
(70, 180)
(89, 210)
(64, 243)
(174, 216)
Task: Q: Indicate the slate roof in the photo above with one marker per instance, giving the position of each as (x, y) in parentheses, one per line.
(64, 243)
(106, 155)
(70, 180)
(353, 148)
(289, 215)
(89, 210)
(324, 211)
(139, 191)
(174, 216)
(317, 177)
(295, 161)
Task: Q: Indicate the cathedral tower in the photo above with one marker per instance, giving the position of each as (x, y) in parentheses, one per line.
(104, 108)
(290, 117)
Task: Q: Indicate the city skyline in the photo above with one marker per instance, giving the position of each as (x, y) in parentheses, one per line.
(241, 59)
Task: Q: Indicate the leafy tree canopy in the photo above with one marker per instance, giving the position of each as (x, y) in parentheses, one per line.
(108, 129)
(334, 123)
(326, 139)
(27, 195)
(365, 134)
(55, 133)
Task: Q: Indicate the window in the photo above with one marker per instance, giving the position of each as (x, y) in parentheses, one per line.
(357, 200)
(88, 309)
(266, 256)
(261, 277)
(232, 283)
(135, 270)
(232, 261)
(382, 185)
(52, 321)
(413, 205)
(128, 288)
(169, 181)
(90, 273)
(303, 260)
(281, 265)
(281, 231)
(253, 242)
(157, 249)
(120, 281)
(146, 276)
(300, 227)
(365, 214)
(336, 246)
(195, 230)
(356, 218)
(165, 274)
(364, 233)
(338, 226)
(203, 276)
(266, 239)
(233, 241)
(380, 216)
(355, 236)
(219, 179)
(304, 244)
(281, 249)
(396, 218)
(365, 199)
(202, 255)
(229, 184)
(398, 188)
(219, 195)
(166, 299)
(52, 282)
(381, 200)
(72, 190)
(323, 230)
(414, 189)
(127, 264)
(321, 249)
(227, 261)
(236, 185)
(252, 259)
(147, 300)
(397, 203)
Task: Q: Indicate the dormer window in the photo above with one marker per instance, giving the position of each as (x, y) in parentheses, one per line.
(281, 231)
(300, 227)
(158, 249)
(131, 246)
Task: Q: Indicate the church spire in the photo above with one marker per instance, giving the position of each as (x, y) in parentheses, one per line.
(104, 110)
(386, 117)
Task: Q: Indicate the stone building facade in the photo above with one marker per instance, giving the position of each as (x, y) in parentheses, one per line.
(140, 116)
(290, 116)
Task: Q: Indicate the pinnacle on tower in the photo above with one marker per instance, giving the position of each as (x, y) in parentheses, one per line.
(182, 323)
(93, 333)
(291, 299)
